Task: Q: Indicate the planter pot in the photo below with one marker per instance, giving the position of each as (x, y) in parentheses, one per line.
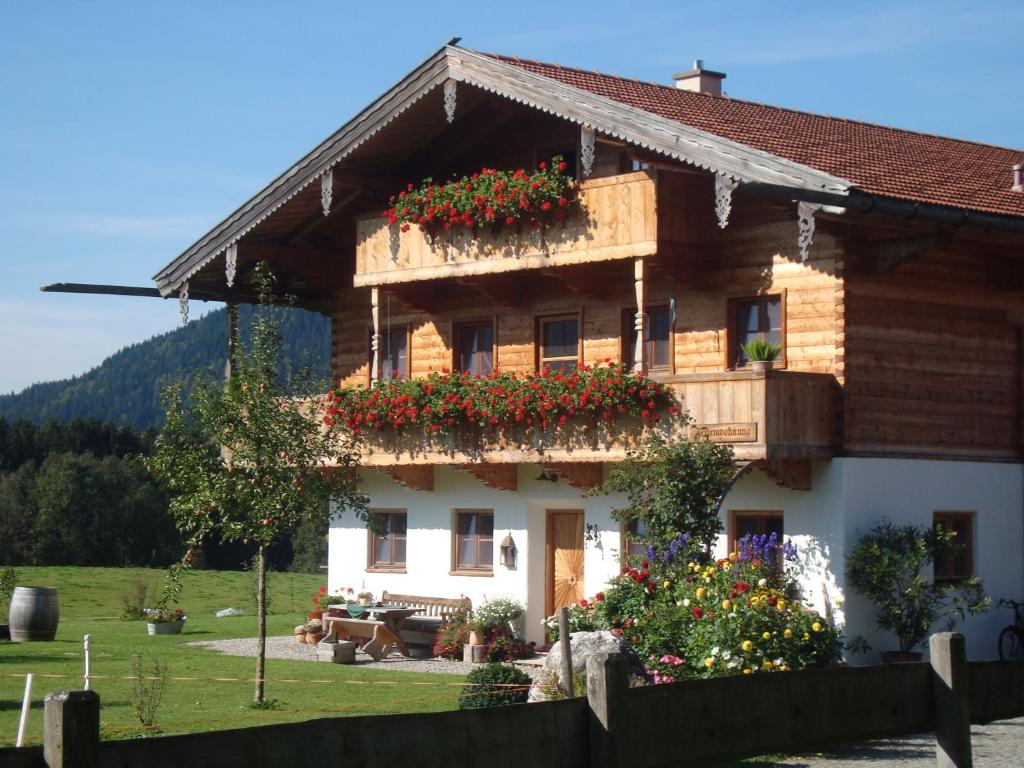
(900, 657)
(166, 627)
(312, 638)
(476, 637)
(33, 614)
(762, 365)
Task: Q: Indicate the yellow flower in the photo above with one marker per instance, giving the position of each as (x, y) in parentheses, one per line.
(726, 566)
(726, 605)
(768, 664)
(734, 556)
(709, 662)
(700, 593)
(667, 584)
(807, 635)
(781, 605)
(788, 634)
(747, 671)
(747, 645)
(766, 635)
(816, 627)
(784, 668)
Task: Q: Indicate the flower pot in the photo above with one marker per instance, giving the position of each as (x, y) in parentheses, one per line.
(33, 613)
(312, 638)
(900, 657)
(476, 637)
(762, 365)
(166, 627)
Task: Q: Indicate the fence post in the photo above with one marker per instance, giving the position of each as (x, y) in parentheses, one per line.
(949, 697)
(71, 733)
(565, 645)
(607, 681)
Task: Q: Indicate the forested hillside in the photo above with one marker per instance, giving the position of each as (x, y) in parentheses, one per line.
(125, 388)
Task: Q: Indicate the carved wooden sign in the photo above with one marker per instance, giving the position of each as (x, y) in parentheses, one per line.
(741, 432)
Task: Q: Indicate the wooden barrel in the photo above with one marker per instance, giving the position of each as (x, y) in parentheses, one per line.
(33, 613)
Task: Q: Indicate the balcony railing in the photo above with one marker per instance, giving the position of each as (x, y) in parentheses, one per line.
(616, 218)
(773, 415)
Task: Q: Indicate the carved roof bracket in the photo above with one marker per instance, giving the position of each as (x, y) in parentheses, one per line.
(326, 190)
(418, 477)
(587, 138)
(724, 185)
(501, 476)
(231, 264)
(449, 100)
(805, 222)
(183, 302)
(579, 474)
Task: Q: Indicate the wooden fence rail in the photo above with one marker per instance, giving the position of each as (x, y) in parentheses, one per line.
(688, 723)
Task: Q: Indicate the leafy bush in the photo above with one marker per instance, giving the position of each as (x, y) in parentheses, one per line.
(691, 618)
(139, 596)
(498, 614)
(494, 685)
(581, 619)
(505, 648)
(454, 633)
(887, 566)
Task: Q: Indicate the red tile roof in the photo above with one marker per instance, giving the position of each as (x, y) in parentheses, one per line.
(879, 160)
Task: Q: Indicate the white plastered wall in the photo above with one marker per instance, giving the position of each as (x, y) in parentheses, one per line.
(428, 539)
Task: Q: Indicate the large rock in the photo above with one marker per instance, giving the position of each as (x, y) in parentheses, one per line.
(582, 645)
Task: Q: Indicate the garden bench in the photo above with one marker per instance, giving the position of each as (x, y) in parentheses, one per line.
(421, 628)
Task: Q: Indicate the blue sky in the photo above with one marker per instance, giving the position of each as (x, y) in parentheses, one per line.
(128, 128)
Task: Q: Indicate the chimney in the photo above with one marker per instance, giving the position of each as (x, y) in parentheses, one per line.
(700, 80)
(1018, 178)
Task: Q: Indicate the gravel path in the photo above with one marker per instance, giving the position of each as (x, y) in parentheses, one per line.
(286, 648)
(996, 745)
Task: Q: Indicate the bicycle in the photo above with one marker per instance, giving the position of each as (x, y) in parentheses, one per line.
(1011, 639)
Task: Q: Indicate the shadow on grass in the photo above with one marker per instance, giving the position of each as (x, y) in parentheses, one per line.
(7, 705)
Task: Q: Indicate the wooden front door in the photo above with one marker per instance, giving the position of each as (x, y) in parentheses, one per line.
(564, 559)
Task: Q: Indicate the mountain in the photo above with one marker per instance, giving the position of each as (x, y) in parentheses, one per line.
(125, 388)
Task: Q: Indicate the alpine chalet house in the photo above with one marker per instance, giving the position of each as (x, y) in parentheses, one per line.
(887, 264)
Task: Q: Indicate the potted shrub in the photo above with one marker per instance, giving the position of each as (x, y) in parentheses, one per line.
(476, 632)
(314, 631)
(761, 353)
(300, 634)
(888, 567)
(165, 621)
(502, 615)
(365, 598)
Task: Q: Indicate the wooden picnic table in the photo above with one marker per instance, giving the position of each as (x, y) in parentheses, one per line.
(380, 632)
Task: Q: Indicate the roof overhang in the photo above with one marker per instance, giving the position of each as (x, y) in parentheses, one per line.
(605, 116)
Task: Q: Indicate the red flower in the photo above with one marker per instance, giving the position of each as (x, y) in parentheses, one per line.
(599, 596)
(651, 585)
(542, 165)
(698, 612)
(563, 165)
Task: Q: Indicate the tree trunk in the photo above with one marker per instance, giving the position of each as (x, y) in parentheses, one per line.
(261, 613)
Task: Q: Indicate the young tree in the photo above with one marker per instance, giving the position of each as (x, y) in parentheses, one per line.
(674, 488)
(246, 461)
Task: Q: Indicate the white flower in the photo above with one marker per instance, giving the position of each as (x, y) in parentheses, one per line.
(732, 615)
(762, 583)
(686, 602)
(733, 664)
(715, 650)
(707, 579)
(726, 655)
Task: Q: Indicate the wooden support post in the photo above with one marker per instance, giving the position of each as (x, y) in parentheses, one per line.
(72, 729)
(949, 696)
(375, 336)
(565, 645)
(232, 337)
(607, 684)
(640, 286)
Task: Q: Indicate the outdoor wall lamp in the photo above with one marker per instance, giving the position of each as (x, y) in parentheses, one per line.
(548, 475)
(508, 551)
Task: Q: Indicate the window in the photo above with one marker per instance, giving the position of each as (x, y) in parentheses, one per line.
(387, 548)
(762, 317)
(957, 564)
(631, 533)
(474, 347)
(559, 344)
(657, 338)
(393, 354)
(474, 541)
(759, 523)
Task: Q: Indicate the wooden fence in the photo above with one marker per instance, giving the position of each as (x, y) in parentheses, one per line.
(688, 723)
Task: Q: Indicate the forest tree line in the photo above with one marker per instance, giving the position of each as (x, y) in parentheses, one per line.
(78, 493)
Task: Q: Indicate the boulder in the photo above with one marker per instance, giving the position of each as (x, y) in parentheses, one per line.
(583, 645)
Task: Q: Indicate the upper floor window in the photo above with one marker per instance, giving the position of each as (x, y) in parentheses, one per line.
(474, 541)
(393, 353)
(958, 563)
(559, 344)
(474, 347)
(387, 547)
(761, 317)
(657, 338)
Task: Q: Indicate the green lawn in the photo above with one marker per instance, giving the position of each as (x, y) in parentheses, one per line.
(90, 603)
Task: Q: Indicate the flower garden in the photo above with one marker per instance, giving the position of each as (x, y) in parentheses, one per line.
(687, 616)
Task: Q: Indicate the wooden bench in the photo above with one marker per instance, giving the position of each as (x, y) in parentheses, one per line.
(421, 628)
(375, 636)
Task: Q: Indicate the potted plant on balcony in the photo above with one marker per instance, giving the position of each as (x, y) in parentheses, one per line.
(887, 566)
(761, 353)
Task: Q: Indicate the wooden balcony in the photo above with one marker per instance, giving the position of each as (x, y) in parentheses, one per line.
(775, 416)
(616, 218)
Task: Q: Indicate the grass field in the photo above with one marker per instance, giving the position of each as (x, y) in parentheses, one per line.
(90, 603)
